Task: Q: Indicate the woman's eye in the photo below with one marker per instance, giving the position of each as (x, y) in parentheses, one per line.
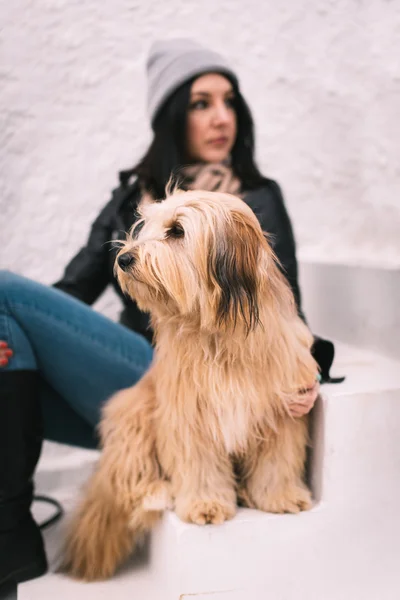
(175, 231)
(230, 102)
(199, 105)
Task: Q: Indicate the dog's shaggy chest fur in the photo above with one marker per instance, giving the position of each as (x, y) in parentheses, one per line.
(222, 401)
(208, 425)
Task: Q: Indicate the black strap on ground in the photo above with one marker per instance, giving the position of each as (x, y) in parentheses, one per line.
(57, 515)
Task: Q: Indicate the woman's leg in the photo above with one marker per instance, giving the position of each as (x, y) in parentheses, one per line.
(22, 554)
(61, 423)
(83, 356)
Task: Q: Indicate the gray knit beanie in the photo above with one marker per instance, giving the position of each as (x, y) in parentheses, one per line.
(172, 62)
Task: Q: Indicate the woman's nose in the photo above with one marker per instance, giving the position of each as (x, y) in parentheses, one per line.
(221, 114)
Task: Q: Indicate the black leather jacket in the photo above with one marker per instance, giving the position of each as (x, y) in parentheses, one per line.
(91, 270)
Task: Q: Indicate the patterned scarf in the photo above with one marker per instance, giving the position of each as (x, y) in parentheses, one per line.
(212, 177)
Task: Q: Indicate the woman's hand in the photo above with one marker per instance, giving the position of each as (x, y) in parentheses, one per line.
(304, 401)
(5, 353)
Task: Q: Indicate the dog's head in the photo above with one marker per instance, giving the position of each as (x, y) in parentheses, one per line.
(197, 254)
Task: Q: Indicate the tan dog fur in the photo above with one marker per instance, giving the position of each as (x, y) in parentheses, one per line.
(208, 424)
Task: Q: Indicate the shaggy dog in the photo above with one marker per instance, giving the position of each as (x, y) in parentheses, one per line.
(208, 425)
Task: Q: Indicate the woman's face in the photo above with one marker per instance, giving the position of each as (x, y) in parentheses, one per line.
(211, 120)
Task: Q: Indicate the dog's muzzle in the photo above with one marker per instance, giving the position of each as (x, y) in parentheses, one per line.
(126, 260)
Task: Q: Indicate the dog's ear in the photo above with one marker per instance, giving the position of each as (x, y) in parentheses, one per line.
(233, 269)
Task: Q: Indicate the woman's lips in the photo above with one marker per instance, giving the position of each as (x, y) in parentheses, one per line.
(221, 141)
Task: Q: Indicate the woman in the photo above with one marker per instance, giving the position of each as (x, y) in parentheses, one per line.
(60, 359)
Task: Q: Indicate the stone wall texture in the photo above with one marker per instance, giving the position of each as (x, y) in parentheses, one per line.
(322, 79)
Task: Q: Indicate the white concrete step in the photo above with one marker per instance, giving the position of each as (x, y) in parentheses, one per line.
(346, 548)
(355, 430)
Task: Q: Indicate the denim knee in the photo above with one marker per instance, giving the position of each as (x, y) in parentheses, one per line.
(6, 279)
(10, 329)
(14, 287)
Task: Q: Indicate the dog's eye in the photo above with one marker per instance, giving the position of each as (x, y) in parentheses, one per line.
(175, 231)
(137, 228)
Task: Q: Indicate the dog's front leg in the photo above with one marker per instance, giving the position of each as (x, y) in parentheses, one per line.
(276, 468)
(204, 485)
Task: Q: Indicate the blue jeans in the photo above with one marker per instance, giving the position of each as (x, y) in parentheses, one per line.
(82, 356)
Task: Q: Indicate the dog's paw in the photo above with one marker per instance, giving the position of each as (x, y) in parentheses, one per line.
(202, 512)
(289, 500)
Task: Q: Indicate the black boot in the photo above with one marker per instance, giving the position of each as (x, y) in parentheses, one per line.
(22, 554)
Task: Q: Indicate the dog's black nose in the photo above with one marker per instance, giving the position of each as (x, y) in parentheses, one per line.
(125, 260)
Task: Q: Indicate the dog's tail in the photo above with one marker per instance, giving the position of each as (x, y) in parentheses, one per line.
(125, 495)
(104, 531)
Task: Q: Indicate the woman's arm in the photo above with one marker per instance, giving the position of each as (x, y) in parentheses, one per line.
(87, 275)
(268, 205)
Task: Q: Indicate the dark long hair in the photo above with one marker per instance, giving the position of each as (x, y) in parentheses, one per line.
(166, 154)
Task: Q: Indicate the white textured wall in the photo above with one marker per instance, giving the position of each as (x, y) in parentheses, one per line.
(322, 78)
